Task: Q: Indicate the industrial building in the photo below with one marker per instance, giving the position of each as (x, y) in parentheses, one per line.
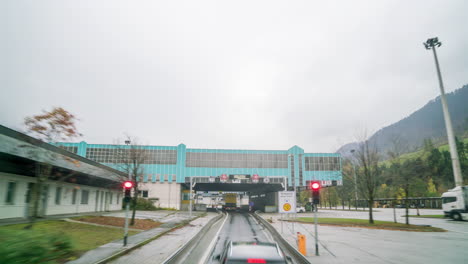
(167, 170)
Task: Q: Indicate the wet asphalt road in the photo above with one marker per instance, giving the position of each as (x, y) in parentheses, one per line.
(240, 226)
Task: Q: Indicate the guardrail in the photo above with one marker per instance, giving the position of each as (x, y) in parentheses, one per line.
(180, 253)
(292, 251)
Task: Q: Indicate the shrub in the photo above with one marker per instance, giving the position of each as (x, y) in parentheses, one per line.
(30, 246)
(143, 204)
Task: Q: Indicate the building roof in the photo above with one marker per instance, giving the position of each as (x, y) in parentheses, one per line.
(18, 149)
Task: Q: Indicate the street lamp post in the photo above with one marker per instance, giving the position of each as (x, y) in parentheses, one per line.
(355, 181)
(432, 43)
(190, 205)
(293, 178)
(127, 206)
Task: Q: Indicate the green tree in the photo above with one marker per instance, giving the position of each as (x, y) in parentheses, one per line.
(428, 146)
(463, 156)
(304, 197)
(431, 189)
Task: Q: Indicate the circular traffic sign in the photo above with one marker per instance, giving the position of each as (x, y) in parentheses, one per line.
(286, 207)
(223, 177)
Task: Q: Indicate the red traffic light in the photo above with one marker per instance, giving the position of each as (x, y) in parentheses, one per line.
(315, 186)
(128, 184)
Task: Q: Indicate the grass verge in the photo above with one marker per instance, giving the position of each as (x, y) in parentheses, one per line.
(364, 223)
(425, 216)
(83, 237)
(348, 210)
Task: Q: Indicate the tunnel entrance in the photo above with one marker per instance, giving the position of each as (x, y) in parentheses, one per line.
(214, 194)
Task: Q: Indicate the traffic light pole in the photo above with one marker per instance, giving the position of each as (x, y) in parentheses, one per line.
(127, 205)
(127, 209)
(316, 234)
(315, 188)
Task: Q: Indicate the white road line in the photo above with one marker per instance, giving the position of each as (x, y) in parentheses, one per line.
(212, 244)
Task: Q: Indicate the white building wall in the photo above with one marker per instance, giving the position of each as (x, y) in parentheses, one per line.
(65, 206)
(163, 194)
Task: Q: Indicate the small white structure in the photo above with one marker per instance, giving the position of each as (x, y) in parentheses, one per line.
(162, 194)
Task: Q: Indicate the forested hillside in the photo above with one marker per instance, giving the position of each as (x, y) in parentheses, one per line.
(425, 123)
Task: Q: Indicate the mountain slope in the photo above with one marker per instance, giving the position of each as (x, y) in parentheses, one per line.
(427, 122)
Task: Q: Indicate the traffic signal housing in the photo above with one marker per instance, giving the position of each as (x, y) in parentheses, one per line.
(315, 187)
(127, 185)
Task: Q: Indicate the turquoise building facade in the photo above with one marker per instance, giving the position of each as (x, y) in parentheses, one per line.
(179, 163)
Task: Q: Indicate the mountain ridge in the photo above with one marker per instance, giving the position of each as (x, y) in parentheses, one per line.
(425, 123)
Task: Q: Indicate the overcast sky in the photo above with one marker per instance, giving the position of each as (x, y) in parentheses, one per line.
(228, 74)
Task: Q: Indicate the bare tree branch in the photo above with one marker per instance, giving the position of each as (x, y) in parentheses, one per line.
(130, 159)
(368, 173)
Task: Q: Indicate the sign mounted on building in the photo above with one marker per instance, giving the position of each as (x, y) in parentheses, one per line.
(286, 202)
(223, 177)
(239, 176)
(255, 178)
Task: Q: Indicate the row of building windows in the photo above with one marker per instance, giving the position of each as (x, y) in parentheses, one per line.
(157, 178)
(146, 156)
(11, 191)
(70, 149)
(322, 163)
(236, 160)
(209, 160)
(292, 165)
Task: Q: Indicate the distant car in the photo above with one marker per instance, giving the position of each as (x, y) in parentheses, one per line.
(300, 209)
(230, 208)
(251, 252)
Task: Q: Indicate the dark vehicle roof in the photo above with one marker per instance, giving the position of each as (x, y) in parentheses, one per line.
(241, 251)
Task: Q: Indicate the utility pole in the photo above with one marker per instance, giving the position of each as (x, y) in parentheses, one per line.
(432, 43)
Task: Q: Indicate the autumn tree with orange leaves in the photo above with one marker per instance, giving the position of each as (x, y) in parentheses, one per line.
(50, 127)
(56, 125)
